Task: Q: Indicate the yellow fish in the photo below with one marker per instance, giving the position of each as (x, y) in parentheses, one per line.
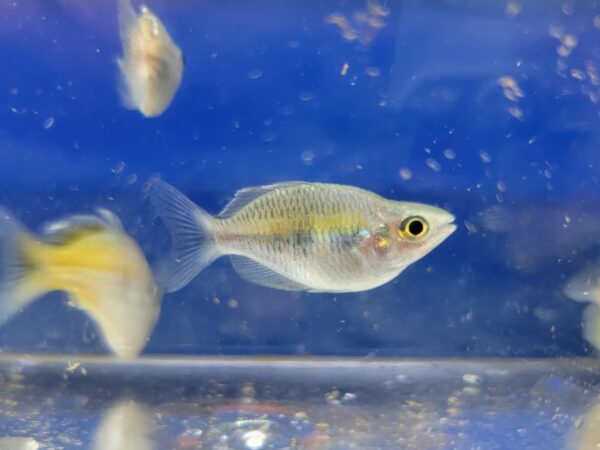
(151, 66)
(93, 260)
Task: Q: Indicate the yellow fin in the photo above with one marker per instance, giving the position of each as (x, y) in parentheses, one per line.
(124, 310)
(22, 280)
(69, 229)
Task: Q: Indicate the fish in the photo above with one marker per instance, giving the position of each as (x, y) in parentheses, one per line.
(300, 236)
(152, 65)
(585, 287)
(18, 443)
(127, 425)
(585, 434)
(92, 259)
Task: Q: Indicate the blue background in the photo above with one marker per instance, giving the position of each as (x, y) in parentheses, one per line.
(262, 100)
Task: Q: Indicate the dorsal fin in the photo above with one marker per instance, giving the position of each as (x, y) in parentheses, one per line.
(127, 19)
(66, 229)
(245, 196)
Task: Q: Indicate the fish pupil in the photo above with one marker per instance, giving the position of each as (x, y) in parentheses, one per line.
(413, 227)
(416, 227)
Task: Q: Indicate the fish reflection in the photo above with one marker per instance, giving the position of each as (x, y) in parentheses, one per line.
(95, 262)
(300, 236)
(585, 287)
(126, 426)
(18, 443)
(535, 236)
(256, 426)
(586, 434)
(151, 66)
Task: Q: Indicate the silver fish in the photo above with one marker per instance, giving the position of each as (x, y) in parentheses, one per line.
(301, 236)
(152, 65)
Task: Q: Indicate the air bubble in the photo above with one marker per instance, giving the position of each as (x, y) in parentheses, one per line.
(48, 123)
(307, 157)
(433, 164)
(485, 157)
(255, 74)
(373, 72)
(405, 173)
(449, 154)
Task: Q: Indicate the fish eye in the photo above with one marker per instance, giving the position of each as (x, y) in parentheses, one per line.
(413, 227)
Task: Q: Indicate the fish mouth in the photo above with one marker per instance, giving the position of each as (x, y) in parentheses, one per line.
(446, 223)
(445, 229)
(449, 228)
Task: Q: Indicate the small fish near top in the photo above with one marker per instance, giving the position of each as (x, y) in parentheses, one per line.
(93, 260)
(301, 236)
(152, 65)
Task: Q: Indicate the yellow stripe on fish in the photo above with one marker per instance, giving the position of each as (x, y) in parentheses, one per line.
(297, 223)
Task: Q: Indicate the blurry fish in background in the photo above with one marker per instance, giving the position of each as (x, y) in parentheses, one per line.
(301, 236)
(126, 426)
(152, 65)
(498, 219)
(536, 237)
(585, 287)
(364, 25)
(95, 262)
(18, 443)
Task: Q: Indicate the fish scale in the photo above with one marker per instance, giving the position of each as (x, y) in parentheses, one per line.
(295, 215)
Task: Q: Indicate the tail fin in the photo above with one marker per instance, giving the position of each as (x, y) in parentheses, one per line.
(20, 278)
(193, 244)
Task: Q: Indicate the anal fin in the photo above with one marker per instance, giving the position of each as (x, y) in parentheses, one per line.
(257, 273)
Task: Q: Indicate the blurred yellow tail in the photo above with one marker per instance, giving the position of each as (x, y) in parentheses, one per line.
(21, 280)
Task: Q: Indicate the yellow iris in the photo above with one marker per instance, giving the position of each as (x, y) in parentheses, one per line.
(413, 227)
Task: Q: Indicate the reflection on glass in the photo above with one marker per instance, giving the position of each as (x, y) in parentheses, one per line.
(18, 443)
(587, 431)
(126, 426)
(585, 287)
